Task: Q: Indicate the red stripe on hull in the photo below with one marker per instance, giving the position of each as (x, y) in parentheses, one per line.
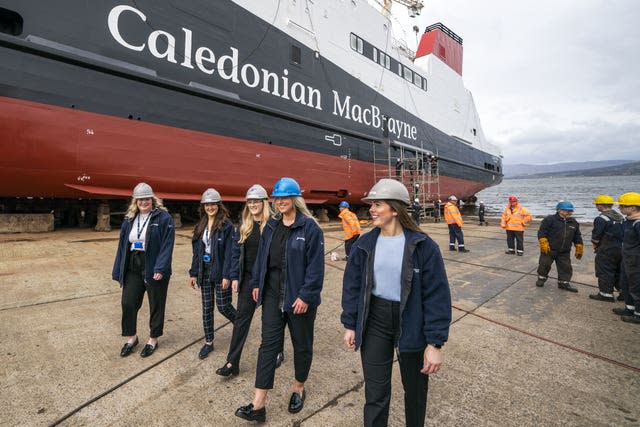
(48, 150)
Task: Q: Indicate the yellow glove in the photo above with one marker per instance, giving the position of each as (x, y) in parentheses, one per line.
(544, 245)
(579, 250)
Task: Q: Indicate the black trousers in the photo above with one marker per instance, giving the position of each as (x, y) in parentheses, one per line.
(377, 363)
(455, 233)
(630, 282)
(246, 307)
(516, 237)
(349, 243)
(563, 264)
(133, 295)
(608, 265)
(274, 321)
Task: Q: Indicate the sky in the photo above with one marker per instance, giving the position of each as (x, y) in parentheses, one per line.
(553, 81)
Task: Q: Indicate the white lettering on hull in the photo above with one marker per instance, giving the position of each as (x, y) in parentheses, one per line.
(162, 45)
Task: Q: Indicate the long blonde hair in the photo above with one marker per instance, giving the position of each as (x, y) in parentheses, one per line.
(132, 210)
(247, 220)
(300, 205)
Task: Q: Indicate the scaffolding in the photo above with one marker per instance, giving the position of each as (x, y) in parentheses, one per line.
(415, 167)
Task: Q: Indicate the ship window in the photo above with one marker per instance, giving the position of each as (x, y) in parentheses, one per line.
(424, 84)
(375, 55)
(356, 43)
(408, 74)
(399, 69)
(10, 22)
(296, 55)
(442, 53)
(417, 80)
(387, 62)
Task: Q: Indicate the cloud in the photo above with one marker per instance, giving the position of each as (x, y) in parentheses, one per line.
(551, 80)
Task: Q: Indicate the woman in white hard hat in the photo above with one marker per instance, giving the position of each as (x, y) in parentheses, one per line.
(287, 281)
(143, 264)
(211, 263)
(255, 215)
(395, 302)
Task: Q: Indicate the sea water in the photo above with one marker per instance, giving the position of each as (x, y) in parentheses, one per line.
(540, 195)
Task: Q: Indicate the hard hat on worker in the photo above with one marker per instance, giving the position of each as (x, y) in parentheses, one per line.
(343, 204)
(256, 192)
(210, 195)
(564, 206)
(388, 189)
(286, 187)
(513, 199)
(142, 191)
(603, 199)
(453, 198)
(629, 199)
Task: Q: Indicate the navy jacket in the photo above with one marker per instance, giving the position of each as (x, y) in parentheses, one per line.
(560, 232)
(161, 234)
(425, 298)
(220, 254)
(304, 269)
(631, 241)
(607, 230)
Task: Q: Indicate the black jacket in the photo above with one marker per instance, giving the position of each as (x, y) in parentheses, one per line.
(561, 232)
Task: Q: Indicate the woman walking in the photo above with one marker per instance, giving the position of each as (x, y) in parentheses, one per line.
(287, 281)
(255, 215)
(395, 302)
(143, 264)
(211, 262)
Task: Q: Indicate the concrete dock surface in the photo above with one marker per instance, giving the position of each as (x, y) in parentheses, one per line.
(517, 354)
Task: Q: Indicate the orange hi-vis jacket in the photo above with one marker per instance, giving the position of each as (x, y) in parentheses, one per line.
(515, 219)
(350, 224)
(452, 214)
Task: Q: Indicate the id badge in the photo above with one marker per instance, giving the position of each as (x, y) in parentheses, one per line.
(138, 246)
(206, 258)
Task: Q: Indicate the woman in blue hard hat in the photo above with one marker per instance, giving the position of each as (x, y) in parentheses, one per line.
(255, 215)
(287, 281)
(143, 264)
(556, 235)
(211, 263)
(395, 302)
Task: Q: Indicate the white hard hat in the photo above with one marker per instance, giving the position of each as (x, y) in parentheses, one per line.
(416, 200)
(142, 191)
(211, 195)
(453, 198)
(257, 191)
(481, 202)
(388, 189)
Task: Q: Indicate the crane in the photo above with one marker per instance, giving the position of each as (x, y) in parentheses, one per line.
(414, 6)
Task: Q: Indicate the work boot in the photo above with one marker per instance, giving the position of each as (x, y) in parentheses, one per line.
(566, 286)
(622, 311)
(452, 248)
(600, 297)
(520, 253)
(510, 252)
(635, 318)
(463, 249)
(540, 282)
(620, 297)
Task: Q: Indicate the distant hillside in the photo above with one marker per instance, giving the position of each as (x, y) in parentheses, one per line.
(626, 169)
(529, 171)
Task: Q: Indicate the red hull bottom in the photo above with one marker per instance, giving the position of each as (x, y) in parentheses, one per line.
(54, 152)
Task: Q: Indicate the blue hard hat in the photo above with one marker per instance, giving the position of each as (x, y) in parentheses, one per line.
(343, 204)
(286, 187)
(565, 206)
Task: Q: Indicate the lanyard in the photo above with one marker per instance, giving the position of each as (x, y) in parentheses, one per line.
(140, 230)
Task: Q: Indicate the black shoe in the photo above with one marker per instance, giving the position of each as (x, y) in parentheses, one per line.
(127, 348)
(452, 249)
(508, 252)
(296, 403)
(620, 297)
(205, 350)
(463, 250)
(148, 350)
(540, 283)
(249, 414)
(520, 253)
(622, 311)
(629, 319)
(227, 371)
(279, 359)
(567, 287)
(600, 297)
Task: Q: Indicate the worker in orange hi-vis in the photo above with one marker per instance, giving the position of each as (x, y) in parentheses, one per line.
(350, 226)
(515, 219)
(454, 222)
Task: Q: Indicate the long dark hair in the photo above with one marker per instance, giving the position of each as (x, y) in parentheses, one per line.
(218, 221)
(403, 217)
